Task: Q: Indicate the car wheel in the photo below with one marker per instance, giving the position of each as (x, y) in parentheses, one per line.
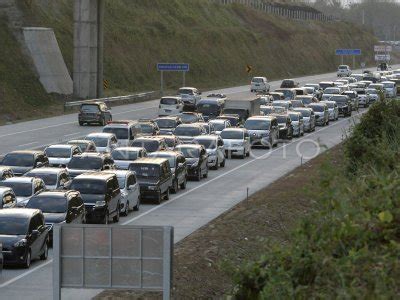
(136, 207)
(206, 174)
(222, 165)
(28, 260)
(183, 184)
(103, 122)
(199, 176)
(175, 187)
(167, 195)
(116, 217)
(243, 155)
(216, 165)
(45, 253)
(125, 213)
(81, 123)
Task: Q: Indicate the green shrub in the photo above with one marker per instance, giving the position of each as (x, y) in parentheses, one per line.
(348, 246)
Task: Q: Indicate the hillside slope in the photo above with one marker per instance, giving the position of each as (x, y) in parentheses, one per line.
(218, 42)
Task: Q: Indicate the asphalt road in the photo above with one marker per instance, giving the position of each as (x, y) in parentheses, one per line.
(188, 210)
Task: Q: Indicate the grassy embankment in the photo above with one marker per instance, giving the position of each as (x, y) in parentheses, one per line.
(348, 246)
(218, 42)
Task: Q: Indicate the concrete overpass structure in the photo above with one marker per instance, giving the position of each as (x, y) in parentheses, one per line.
(88, 48)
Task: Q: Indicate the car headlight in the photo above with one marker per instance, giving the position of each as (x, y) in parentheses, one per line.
(21, 243)
(100, 203)
(152, 187)
(194, 165)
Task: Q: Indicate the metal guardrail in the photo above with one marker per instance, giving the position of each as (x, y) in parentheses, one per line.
(117, 99)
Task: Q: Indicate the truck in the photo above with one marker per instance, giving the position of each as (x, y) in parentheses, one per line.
(245, 108)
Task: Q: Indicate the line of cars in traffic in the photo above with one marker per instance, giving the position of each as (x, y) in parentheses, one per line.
(107, 174)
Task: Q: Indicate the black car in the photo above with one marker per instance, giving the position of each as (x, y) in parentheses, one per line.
(196, 160)
(167, 124)
(23, 161)
(24, 236)
(210, 108)
(154, 177)
(101, 194)
(344, 104)
(177, 163)
(59, 207)
(289, 83)
(94, 112)
(89, 162)
(234, 119)
(285, 126)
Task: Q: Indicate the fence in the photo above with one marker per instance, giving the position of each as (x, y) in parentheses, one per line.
(287, 11)
(118, 99)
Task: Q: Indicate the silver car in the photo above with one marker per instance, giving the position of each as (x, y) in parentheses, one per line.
(297, 123)
(124, 156)
(60, 155)
(321, 113)
(333, 110)
(308, 118)
(214, 146)
(236, 141)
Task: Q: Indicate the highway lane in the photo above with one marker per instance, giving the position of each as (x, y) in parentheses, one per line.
(186, 211)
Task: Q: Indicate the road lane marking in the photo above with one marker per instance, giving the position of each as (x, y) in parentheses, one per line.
(4, 284)
(75, 133)
(28, 144)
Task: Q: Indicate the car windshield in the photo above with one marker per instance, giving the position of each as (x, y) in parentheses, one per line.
(294, 117)
(257, 80)
(171, 158)
(388, 85)
(13, 226)
(242, 113)
(330, 104)
(168, 101)
(305, 100)
(98, 141)
(339, 99)
(89, 186)
(149, 145)
(166, 123)
(372, 91)
(281, 119)
(21, 189)
(18, 159)
(351, 95)
(297, 103)
(146, 170)
(189, 152)
(318, 108)
(124, 154)
(49, 179)
(361, 92)
(185, 92)
(120, 133)
(257, 124)
(85, 163)
(189, 118)
(232, 135)
(121, 182)
(147, 128)
(325, 85)
(58, 152)
(332, 91)
(82, 146)
(280, 104)
(90, 108)
(48, 204)
(170, 141)
(267, 110)
(276, 96)
(287, 94)
(207, 143)
(187, 131)
(218, 126)
(342, 67)
(305, 113)
(207, 107)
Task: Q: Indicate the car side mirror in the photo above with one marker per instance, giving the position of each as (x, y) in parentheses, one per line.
(35, 233)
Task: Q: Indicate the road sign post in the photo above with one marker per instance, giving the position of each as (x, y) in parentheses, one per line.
(172, 67)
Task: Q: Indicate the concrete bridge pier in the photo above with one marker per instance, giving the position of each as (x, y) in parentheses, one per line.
(88, 48)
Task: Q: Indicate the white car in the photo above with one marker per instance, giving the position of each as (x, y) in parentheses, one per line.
(297, 123)
(372, 94)
(344, 71)
(390, 89)
(259, 84)
(130, 191)
(214, 146)
(126, 131)
(190, 96)
(124, 156)
(219, 125)
(170, 106)
(236, 141)
(105, 142)
(333, 110)
(60, 155)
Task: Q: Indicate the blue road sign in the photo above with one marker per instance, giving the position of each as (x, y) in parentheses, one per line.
(172, 67)
(348, 51)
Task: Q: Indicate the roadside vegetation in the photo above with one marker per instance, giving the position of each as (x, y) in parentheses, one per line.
(348, 246)
(218, 41)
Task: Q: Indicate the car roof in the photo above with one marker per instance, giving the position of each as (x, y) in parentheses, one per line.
(100, 134)
(95, 175)
(57, 193)
(48, 170)
(194, 146)
(302, 108)
(188, 88)
(168, 118)
(234, 129)
(91, 154)
(33, 152)
(61, 146)
(210, 100)
(189, 125)
(119, 173)
(22, 179)
(129, 149)
(150, 160)
(93, 103)
(150, 138)
(171, 97)
(80, 141)
(19, 212)
(206, 137)
(217, 121)
(167, 153)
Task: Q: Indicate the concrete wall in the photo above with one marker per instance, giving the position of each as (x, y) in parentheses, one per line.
(48, 60)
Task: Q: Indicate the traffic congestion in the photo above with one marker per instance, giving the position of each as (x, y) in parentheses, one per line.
(104, 175)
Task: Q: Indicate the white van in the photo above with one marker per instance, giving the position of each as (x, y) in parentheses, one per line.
(259, 84)
(170, 106)
(126, 131)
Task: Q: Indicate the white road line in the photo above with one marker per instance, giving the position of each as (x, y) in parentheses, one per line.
(234, 169)
(4, 284)
(28, 144)
(75, 133)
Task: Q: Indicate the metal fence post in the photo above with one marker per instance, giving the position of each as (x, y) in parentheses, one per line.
(56, 263)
